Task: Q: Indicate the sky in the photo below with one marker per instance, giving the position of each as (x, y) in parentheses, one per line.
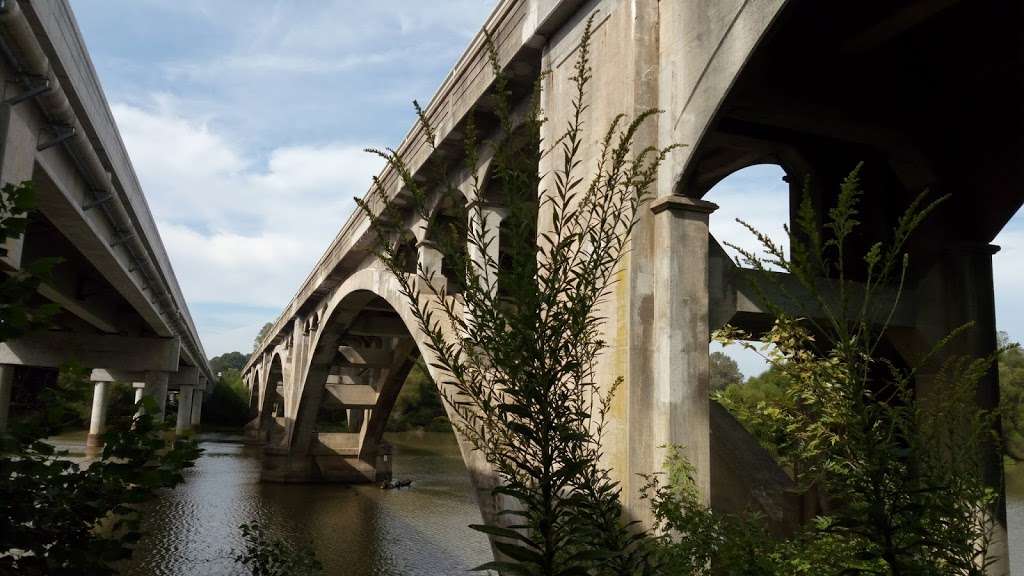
(246, 123)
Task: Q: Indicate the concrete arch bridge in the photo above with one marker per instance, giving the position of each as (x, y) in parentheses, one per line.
(926, 92)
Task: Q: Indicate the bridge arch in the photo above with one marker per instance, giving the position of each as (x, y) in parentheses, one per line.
(271, 398)
(367, 342)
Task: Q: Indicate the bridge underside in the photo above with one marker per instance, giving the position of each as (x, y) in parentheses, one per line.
(814, 87)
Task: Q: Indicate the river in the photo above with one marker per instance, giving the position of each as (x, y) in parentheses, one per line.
(355, 530)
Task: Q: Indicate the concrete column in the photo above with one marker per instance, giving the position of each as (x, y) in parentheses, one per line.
(98, 417)
(356, 417)
(485, 220)
(679, 392)
(958, 289)
(156, 388)
(430, 259)
(17, 160)
(197, 409)
(184, 409)
(6, 387)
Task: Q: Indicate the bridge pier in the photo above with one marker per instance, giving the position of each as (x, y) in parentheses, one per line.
(197, 408)
(156, 388)
(184, 420)
(98, 417)
(679, 394)
(335, 458)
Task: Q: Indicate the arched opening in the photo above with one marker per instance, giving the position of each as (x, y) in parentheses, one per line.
(510, 188)
(359, 374)
(838, 85)
(759, 195)
(447, 232)
(272, 421)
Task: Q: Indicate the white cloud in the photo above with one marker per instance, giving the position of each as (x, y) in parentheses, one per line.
(1008, 278)
(271, 63)
(239, 230)
(758, 196)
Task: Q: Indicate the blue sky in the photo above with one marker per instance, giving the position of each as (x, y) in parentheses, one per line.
(246, 122)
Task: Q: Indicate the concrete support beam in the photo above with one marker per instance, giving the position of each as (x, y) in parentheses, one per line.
(156, 388)
(366, 357)
(51, 349)
(197, 409)
(6, 387)
(485, 220)
(184, 420)
(737, 297)
(353, 396)
(958, 290)
(429, 259)
(98, 416)
(680, 388)
(356, 418)
(140, 390)
(17, 161)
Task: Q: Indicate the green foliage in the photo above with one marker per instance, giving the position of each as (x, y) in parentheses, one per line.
(750, 401)
(60, 517)
(20, 311)
(229, 360)
(228, 404)
(1011, 392)
(264, 555)
(516, 349)
(264, 330)
(724, 371)
(903, 475)
(63, 518)
(418, 405)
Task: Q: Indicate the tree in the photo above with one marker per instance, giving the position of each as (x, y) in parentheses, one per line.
(59, 517)
(516, 350)
(724, 371)
(1011, 393)
(904, 477)
(266, 555)
(262, 334)
(228, 404)
(230, 360)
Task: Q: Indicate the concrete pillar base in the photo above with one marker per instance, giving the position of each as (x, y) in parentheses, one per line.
(93, 444)
(253, 434)
(329, 468)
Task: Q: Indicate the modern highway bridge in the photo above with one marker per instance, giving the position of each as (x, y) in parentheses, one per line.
(926, 92)
(121, 309)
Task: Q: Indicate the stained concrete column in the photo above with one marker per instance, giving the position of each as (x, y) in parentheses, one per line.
(958, 290)
(6, 387)
(197, 409)
(156, 388)
(140, 389)
(184, 409)
(17, 160)
(98, 416)
(679, 392)
(485, 220)
(355, 418)
(430, 259)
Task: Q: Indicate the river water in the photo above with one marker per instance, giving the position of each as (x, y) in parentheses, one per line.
(354, 530)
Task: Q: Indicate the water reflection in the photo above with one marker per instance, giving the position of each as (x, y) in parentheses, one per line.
(355, 530)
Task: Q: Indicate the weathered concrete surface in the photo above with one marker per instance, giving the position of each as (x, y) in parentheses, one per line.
(814, 87)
